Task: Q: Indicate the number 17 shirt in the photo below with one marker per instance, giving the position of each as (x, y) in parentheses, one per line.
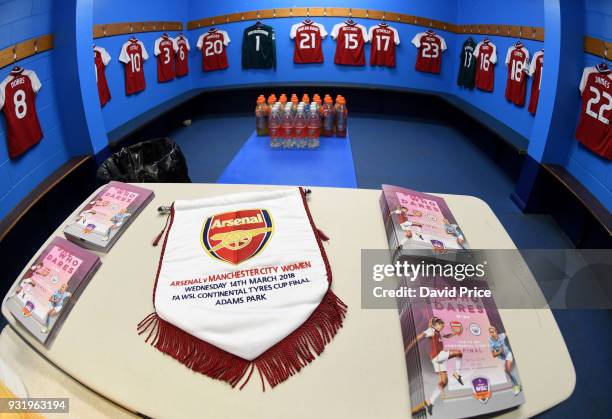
(486, 57)
(133, 54)
(383, 39)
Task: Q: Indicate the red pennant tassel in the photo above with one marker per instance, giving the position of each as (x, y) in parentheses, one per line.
(161, 233)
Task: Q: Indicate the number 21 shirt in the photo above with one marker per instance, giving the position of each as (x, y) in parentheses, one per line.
(350, 42)
(213, 46)
(429, 56)
(133, 54)
(165, 48)
(594, 125)
(17, 100)
(308, 36)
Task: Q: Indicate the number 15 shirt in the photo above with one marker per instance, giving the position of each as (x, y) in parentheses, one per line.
(429, 56)
(17, 99)
(133, 54)
(213, 45)
(350, 42)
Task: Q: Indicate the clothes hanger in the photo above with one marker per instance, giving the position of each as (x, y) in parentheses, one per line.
(602, 67)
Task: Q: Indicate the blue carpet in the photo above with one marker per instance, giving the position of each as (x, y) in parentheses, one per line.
(329, 165)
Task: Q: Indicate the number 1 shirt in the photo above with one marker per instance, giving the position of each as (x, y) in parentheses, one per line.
(259, 47)
(429, 56)
(350, 43)
(383, 39)
(17, 100)
(517, 60)
(133, 54)
(165, 48)
(213, 45)
(308, 36)
(486, 57)
(594, 125)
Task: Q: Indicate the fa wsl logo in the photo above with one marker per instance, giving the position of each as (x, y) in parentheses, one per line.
(236, 236)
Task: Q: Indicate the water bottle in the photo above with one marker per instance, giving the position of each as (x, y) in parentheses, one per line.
(341, 118)
(274, 127)
(287, 128)
(300, 128)
(328, 117)
(314, 126)
(260, 116)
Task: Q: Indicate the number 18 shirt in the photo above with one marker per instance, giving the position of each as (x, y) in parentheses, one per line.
(383, 39)
(350, 43)
(213, 45)
(517, 60)
(429, 56)
(594, 125)
(308, 37)
(133, 54)
(17, 100)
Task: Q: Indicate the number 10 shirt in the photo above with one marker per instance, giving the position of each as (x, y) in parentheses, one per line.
(133, 54)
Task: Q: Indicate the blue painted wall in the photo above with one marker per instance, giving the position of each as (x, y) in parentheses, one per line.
(20, 20)
(122, 108)
(592, 171)
(403, 75)
(523, 12)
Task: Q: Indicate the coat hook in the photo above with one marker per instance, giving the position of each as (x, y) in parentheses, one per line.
(308, 12)
(36, 46)
(274, 13)
(242, 16)
(14, 54)
(533, 32)
(213, 21)
(430, 24)
(384, 17)
(258, 15)
(508, 30)
(350, 12)
(325, 11)
(605, 50)
(104, 30)
(520, 31)
(291, 11)
(416, 21)
(131, 28)
(367, 14)
(497, 29)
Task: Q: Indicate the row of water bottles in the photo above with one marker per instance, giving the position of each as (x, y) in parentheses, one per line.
(299, 124)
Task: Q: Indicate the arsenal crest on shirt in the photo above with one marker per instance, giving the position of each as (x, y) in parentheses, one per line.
(236, 236)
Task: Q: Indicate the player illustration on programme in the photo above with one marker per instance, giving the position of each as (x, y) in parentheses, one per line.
(439, 357)
(57, 301)
(501, 350)
(27, 283)
(407, 225)
(454, 230)
(119, 218)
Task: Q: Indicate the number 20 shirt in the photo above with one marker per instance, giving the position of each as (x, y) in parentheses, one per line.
(594, 125)
(133, 54)
(165, 48)
(350, 43)
(213, 45)
(308, 37)
(517, 60)
(429, 56)
(17, 100)
(383, 39)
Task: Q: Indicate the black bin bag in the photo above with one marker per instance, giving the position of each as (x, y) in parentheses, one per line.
(159, 160)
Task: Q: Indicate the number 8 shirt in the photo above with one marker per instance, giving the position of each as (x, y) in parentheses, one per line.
(17, 99)
(165, 48)
(429, 56)
(308, 37)
(350, 42)
(133, 54)
(594, 125)
(213, 46)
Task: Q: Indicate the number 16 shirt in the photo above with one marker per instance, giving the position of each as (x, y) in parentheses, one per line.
(213, 45)
(486, 57)
(133, 54)
(17, 99)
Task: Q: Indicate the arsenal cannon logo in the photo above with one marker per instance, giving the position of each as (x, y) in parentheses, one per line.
(237, 236)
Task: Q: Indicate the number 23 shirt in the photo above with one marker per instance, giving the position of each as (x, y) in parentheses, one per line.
(429, 56)
(17, 100)
(213, 45)
(133, 54)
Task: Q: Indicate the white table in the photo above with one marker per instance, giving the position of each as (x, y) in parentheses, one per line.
(361, 374)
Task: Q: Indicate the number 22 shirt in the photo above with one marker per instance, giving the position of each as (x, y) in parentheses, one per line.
(133, 54)
(213, 45)
(594, 125)
(429, 56)
(17, 100)
(165, 48)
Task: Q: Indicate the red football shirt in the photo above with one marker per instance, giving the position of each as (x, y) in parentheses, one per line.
(17, 100)
(308, 36)
(182, 56)
(486, 57)
(429, 56)
(517, 60)
(133, 55)
(594, 125)
(535, 71)
(350, 42)
(213, 45)
(383, 39)
(165, 48)
(101, 60)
